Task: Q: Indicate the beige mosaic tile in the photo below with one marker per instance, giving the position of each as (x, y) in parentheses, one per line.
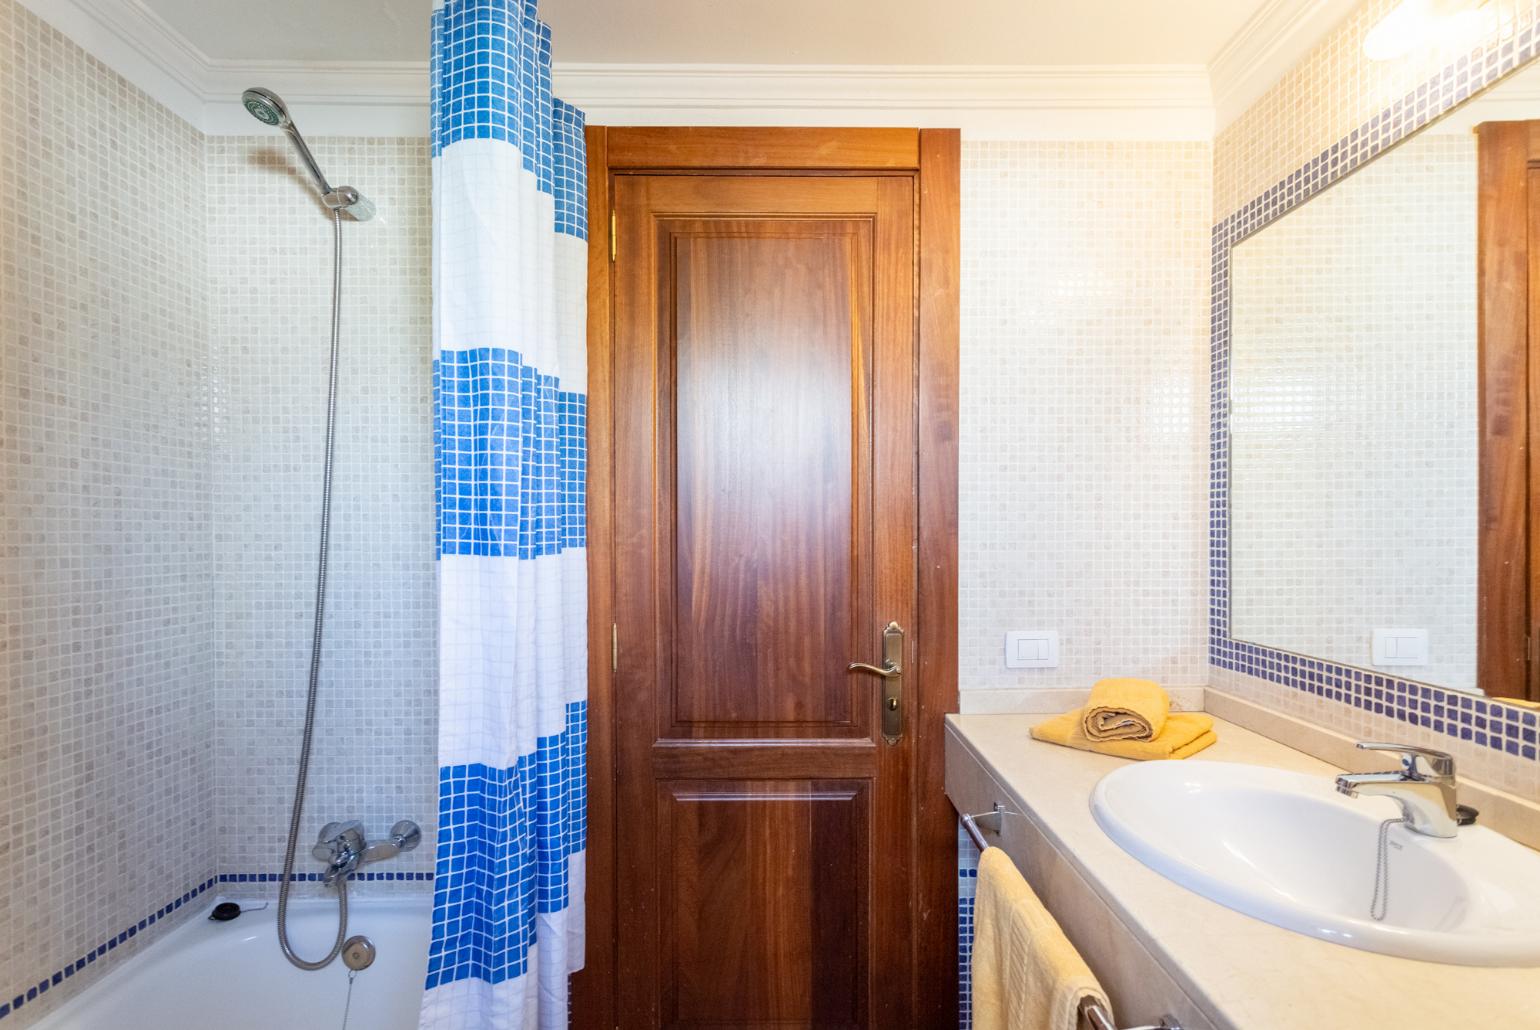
(106, 613)
(1084, 410)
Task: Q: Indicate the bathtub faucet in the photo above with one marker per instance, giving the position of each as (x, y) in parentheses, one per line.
(343, 847)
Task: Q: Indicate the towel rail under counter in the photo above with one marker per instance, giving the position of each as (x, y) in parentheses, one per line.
(1092, 1011)
(1097, 1018)
(993, 821)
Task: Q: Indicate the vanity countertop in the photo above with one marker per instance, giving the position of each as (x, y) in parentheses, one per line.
(1242, 971)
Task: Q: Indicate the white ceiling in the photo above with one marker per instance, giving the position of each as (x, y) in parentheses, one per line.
(300, 30)
(1002, 69)
(882, 32)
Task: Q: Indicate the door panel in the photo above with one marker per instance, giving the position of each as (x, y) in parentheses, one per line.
(757, 892)
(768, 547)
(765, 531)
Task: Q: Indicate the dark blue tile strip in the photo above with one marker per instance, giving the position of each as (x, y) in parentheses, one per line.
(31, 993)
(1483, 722)
(372, 877)
(35, 991)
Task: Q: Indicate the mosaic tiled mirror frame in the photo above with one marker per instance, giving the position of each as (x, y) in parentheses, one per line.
(1506, 728)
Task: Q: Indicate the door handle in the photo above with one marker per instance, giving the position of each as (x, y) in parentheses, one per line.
(892, 672)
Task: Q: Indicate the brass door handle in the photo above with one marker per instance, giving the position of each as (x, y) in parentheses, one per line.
(892, 672)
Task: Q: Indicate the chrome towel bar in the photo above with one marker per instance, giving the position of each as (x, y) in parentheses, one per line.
(1097, 1018)
(992, 821)
(1095, 1015)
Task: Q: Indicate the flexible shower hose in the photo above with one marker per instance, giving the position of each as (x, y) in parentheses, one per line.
(315, 646)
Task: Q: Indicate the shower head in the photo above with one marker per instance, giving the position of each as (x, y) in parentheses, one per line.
(268, 107)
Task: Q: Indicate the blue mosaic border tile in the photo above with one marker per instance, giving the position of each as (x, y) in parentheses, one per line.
(111, 944)
(967, 888)
(56, 978)
(380, 877)
(1483, 722)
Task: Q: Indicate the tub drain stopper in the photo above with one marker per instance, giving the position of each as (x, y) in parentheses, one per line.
(225, 911)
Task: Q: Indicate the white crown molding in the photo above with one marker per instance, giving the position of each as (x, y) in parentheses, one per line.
(355, 98)
(1105, 102)
(1096, 102)
(390, 98)
(131, 40)
(1270, 43)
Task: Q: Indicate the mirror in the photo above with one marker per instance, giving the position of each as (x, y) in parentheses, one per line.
(1355, 426)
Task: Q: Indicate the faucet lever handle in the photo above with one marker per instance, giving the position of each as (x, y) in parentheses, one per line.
(1439, 763)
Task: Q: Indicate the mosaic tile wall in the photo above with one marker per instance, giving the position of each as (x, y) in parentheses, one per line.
(1328, 116)
(106, 626)
(1353, 415)
(269, 277)
(1083, 398)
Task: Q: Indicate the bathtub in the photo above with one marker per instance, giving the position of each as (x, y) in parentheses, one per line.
(232, 975)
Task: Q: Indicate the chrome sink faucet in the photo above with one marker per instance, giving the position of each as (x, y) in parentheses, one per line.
(343, 847)
(1424, 787)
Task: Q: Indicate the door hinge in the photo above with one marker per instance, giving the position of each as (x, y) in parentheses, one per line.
(612, 234)
(614, 647)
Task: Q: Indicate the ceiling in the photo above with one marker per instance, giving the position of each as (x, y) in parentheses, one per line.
(996, 69)
(859, 32)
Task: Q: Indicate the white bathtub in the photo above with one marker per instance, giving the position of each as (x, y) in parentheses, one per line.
(232, 975)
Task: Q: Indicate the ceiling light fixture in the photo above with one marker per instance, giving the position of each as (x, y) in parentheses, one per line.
(1414, 24)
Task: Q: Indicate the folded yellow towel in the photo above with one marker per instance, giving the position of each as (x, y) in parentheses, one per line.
(1184, 734)
(1126, 709)
(1026, 973)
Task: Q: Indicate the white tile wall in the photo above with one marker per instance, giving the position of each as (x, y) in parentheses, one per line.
(163, 307)
(1353, 416)
(1084, 411)
(106, 614)
(269, 275)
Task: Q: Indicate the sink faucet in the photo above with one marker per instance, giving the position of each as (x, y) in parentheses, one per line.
(1424, 787)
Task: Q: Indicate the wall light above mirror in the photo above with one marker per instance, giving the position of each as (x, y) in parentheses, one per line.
(1356, 415)
(1414, 24)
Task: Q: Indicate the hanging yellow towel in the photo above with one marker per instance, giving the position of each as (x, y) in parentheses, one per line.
(1126, 709)
(1026, 973)
(1184, 734)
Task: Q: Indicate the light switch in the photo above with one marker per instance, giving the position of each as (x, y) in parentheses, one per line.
(1032, 649)
(1400, 647)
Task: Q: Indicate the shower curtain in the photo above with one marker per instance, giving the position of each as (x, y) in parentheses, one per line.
(509, 298)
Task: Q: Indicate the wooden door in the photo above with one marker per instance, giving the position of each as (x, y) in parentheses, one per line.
(765, 531)
(1508, 277)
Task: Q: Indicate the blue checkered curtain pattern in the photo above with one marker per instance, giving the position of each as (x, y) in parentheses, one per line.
(509, 296)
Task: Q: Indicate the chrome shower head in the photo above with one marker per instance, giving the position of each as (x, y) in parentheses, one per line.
(266, 107)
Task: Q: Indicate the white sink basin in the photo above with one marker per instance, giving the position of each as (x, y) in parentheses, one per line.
(1287, 848)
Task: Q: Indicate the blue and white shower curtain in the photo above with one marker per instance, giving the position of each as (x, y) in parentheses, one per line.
(509, 300)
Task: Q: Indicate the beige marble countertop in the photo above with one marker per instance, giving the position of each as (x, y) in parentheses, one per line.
(1243, 971)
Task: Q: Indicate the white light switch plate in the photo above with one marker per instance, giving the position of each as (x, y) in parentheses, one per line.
(1400, 647)
(1032, 649)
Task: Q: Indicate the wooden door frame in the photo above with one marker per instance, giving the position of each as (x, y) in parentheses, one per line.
(1508, 388)
(933, 158)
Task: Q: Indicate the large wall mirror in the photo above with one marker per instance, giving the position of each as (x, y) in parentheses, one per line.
(1380, 491)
